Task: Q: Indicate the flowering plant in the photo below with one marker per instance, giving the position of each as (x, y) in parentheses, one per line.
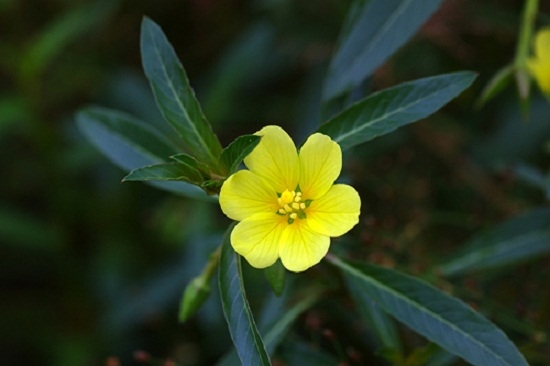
(287, 203)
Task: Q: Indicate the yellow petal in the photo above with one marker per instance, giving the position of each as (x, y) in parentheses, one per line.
(542, 46)
(301, 247)
(541, 73)
(244, 194)
(336, 212)
(275, 159)
(258, 238)
(320, 165)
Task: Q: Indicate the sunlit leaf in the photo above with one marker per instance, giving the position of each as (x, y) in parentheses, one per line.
(174, 96)
(244, 333)
(517, 240)
(379, 28)
(439, 317)
(387, 110)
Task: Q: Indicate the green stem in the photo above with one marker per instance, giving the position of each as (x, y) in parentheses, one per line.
(526, 33)
(212, 265)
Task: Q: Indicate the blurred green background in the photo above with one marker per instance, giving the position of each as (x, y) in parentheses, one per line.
(92, 270)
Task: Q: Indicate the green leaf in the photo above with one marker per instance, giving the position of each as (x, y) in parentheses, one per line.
(439, 317)
(275, 275)
(387, 110)
(174, 96)
(130, 144)
(165, 171)
(498, 82)
(245, 335)
(294, 351)
(234, 154)
(275, 333)
(378, 321)
(192, 162)
(379, 28)
(60, 33)
(195, 294)
(515, 241)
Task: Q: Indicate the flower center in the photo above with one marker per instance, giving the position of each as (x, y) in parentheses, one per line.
(291, 205)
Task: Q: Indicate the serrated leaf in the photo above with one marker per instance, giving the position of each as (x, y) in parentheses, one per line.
(275, 275)
(174, 96)
(439, 317)
(515, 241)
(379, 28)
(389, 109)
(234, 154)
(165, 171)
(244, 333)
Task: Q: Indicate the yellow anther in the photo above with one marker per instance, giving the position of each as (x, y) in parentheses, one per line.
(293, 216)
(287, 197)
(302, 206)
(288, 208)
(296, 206)
(282, 211)
(297, 198)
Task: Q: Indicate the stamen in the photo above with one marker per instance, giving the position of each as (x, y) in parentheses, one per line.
(296, 206)
(293, 215)
(302, 206)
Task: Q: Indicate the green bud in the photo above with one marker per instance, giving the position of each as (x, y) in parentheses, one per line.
(195, 294)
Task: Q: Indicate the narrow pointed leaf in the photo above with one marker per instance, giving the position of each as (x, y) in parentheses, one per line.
(165, 171)
(234, 154)
(389, 109)
(378, 321)
(439, 317)
(244, 333)
(378, 29)
(515, 241)
(275, 333)
(192, 162)
(131, 143)
(174, 96)
(499, 81)
(128, 141)
(275, 275)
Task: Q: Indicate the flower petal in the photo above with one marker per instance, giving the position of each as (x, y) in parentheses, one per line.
(275, 159)
(244, 194)
(542, 45)
(258, 238)
(336, 212)
(320, 165)
(301, 247)
(541, 73)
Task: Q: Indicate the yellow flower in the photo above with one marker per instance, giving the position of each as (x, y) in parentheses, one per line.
(287, 203)
(539, 66)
